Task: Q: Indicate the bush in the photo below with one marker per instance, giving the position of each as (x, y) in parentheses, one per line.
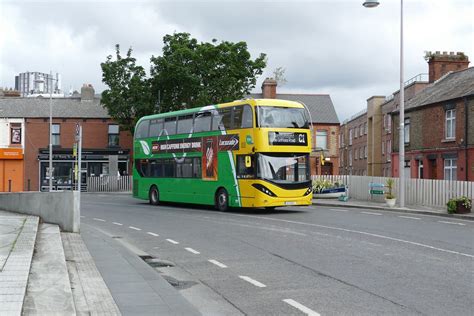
(453, 203)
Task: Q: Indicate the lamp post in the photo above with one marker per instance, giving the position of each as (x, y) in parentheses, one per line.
(401, 160)
(51, 132)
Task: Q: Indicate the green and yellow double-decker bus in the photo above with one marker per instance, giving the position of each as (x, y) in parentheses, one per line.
(247, 153)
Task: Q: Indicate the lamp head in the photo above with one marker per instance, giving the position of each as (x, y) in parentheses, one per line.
(370, 3)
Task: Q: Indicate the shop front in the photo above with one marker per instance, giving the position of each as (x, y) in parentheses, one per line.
(95, 162)
(11, 169)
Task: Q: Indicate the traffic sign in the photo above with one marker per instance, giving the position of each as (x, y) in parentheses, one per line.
(379, 192)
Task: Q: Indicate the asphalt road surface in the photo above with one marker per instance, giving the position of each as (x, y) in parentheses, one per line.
(297, 261)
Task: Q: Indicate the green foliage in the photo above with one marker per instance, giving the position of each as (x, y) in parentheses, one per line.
(452, 203)
(191, 74)
(128, 96)
(322, 184)
(389, 183)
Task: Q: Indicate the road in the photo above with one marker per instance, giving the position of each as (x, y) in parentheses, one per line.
(296, 261)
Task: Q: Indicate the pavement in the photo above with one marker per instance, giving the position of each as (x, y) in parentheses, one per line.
(414, 209)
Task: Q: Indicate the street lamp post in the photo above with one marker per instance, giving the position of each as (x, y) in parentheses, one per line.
(401, 160)
(50, 173)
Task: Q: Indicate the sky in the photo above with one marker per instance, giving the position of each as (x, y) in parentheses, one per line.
(335, 47)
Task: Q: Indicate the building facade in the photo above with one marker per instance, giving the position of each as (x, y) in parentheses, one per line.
(12, 142)
(439, 130)
(105, 148)
(37, 83)
(325, 126)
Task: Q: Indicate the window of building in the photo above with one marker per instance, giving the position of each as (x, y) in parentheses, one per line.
(15, 134)
(450, 124)
(113, 135)
(365, 128)
(356, 132)
(383, 148)
(450, 169)
(389, 123)
(365, 151)
(56, 134)
(322, 139)
(389, 150)
(407, 131)
(350, 157)
(350, 136)
(361, 152)
(355, 154)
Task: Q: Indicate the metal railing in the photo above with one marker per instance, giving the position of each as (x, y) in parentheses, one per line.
(426, 192)
(109, 184)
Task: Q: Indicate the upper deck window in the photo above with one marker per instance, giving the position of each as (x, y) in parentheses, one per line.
(281, 117)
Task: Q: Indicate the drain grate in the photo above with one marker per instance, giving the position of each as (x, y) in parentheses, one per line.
(157, 263)
(177, 284)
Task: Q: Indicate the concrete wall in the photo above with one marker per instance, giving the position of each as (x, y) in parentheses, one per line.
(61, 208)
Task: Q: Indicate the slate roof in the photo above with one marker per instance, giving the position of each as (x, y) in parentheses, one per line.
(320, 105)
(62, 108)
(452, 86)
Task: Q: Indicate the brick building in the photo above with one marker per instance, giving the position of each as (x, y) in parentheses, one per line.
(105, 147)
(353, 145)
(439, 128)
(325, 125)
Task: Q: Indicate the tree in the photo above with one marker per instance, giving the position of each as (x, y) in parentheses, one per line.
(279, 75)
(129, 94)
(191, 74)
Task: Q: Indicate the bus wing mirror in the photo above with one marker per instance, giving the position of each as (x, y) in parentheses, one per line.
(248, 161)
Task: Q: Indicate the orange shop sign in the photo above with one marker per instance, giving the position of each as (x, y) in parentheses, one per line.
(11, 153)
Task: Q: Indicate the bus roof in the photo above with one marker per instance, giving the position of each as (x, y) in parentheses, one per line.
(253, 102)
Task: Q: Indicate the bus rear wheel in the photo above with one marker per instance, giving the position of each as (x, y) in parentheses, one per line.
(154, 196)
(222, 200)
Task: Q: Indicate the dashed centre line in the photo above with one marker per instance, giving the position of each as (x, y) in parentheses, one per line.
(82, 216)
(118, 224)
(99, 219)
(452, 223)
(217, 263)
(191, 250)
(409, 217)
(152, 234)
(172, 241)
(338, 210)
(371, 213)
(134, 228)
(301, 307)
(252, 281)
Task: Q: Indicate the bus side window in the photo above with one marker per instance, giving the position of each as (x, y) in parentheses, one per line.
(202, 122)
(156, 126)
(197, 170)
(170, 125)
(185, 124)
(222, 120)
(142, 129)
(243, 116)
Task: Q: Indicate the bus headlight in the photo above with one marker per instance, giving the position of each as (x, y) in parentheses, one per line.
(263, 189)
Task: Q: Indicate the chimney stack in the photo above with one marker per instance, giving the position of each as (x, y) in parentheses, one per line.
(269, 86)
(87, 93)
(440, 64)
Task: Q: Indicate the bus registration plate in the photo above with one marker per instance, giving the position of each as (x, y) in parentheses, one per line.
(290, 203)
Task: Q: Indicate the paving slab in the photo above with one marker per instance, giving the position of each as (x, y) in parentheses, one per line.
(17, 241)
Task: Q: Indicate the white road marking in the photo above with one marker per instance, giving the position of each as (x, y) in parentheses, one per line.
(118, 224)
(356, 232)
(172, 241)
(252, 281)
(191, 250)
(301, 307)
(153, 234)
(82, 216)
(134, 228)
(217, 263)
(370, 213)
(452, 223)
(410, 217)
(338, 210)
(99, 219)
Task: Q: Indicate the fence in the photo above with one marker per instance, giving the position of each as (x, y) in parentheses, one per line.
(109, 184)
(417, 191)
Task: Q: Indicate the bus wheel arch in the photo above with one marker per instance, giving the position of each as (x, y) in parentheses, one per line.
(154, 195)
(222, 199)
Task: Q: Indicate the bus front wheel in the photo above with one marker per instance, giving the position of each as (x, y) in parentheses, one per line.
(222, 200)
(154, 196)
